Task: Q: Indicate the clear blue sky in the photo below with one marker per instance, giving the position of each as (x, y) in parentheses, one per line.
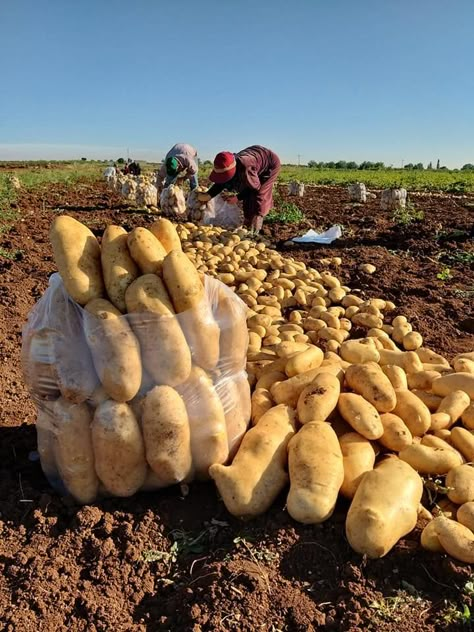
(365, 80)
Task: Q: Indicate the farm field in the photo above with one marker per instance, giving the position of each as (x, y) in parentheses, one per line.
(162, 561)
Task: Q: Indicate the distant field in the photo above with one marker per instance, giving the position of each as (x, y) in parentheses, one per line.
(39, 172)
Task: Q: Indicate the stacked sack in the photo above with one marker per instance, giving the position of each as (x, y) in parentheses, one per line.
(136, 363)
(347, 402)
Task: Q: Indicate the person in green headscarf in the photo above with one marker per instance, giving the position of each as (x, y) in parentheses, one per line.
(180, 163)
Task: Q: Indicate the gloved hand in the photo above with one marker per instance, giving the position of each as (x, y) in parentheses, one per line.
(204, 197)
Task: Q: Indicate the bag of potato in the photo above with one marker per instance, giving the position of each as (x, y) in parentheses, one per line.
(139, 398)
(172, 201)
(223, 214)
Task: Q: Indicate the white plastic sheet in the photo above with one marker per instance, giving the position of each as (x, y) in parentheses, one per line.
(312, 237)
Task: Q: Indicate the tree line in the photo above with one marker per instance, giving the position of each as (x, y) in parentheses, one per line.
(366, 164)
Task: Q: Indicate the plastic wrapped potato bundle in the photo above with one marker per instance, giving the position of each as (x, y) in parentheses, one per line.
(150, 397)
(196, 209)
(172, 201)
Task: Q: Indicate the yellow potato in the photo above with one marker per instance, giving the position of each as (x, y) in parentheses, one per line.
(233, 338)
(413, 411)
(166, 434)
(118, 267)
(369, 381)
(316, 472)
(288, 391)
(118, 449)
(460, 484)
(454, 404)
(456, 539)
(465, 515)
(396, 375)
(261, 402)
(384, 508)
(454, 382)
(209, 441)
(146, 250)
(77, 256)
(429, 400)
(165, 352)
(361, 415)
(359, 351)
(422, 380)
(319, 399)
(188, 295)
(358, 458)
(73, 450)
(165, 232)
(463, 440)
(114, 348)
(429, 538)
(268, 379)
(428, 460)
(258, 472)
(304, 361)
(396, 434)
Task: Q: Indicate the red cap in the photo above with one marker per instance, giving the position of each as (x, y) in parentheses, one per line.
(224, 167)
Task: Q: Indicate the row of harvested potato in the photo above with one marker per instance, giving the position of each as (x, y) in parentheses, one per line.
(380, 399)
(149, 333)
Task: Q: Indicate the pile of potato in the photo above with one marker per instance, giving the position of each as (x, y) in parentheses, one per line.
(136, 363)
(399, 414)
(172, 200)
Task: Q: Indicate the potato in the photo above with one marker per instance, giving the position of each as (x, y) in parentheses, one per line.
(359, 351)
(257, 474)
(396, 375)
(384, 508)
(429, 538)
(463, 365)
(316, 473)
(268, 379)
(233, 338)
(319, 399)
(408, 360)
(422, 380)
(261, 402)
(454, 382)
(438, 442)
(73, 450)
(428, 355)
(413, 411)
(118, 447)
(145, 249)
(456, 539)
(165, 232)
(468, 417)
(118, 267)
(188, 295)
(460, 484)
(45, 433)
(454, 404)
(465, 515)
(444, 507)
(396, 434)
(114, 348)
(304, 361)
(358, 458)
(289, 349)
(412, 340)
(288, 392)
(77, 255)
(166, 435)
(165, 352)
(369, 381)
(463, 440)
(428, 460)
(209, 441)
(429, 400)
(361, 415)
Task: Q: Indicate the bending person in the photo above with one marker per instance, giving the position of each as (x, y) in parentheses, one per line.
(250, 175)
(180, 163)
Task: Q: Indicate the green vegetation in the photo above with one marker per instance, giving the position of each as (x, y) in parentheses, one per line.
(407, 215)
(444, 274)
(286, 213)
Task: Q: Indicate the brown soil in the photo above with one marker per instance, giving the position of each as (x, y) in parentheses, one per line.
(175, 560)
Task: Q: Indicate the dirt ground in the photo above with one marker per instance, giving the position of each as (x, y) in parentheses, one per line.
(177, 561)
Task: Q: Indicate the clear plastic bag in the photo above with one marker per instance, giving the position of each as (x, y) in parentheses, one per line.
(172, 200)
(98, 437)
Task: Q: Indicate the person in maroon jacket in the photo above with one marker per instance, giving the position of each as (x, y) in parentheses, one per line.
(249, 175)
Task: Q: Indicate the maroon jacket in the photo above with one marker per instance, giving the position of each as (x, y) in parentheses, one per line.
(257, 169)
